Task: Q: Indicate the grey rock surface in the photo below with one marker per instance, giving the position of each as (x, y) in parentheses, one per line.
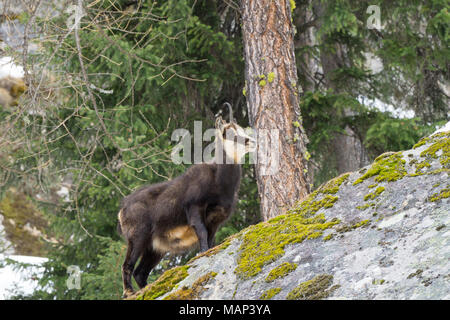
(391, 245)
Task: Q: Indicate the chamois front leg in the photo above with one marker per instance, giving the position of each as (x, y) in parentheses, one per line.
(211, 235)
(133, 252)
(195, 215)
(215, 216)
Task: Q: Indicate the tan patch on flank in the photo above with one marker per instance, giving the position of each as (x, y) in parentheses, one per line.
(178, 239)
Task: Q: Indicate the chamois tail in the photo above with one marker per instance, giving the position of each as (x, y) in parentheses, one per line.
(119, 227)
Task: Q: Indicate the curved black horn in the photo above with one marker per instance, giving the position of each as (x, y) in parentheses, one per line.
(230, 108)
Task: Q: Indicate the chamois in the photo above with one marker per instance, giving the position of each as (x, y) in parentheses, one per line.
(176, 215)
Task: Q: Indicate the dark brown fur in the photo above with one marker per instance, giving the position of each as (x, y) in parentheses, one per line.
(176, 215)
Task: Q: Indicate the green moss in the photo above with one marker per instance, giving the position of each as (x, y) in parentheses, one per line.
(415, 174)
(347, 228)
(378, 282)
(444, 193)
(262, 83)
(310, 205)
(293, 6)
(328, 237)
(214, 250)
(361, 223)
(440, 143)
(387, 167)
(437, 171)
(374, 194)
(281, 271)
(264, 243)
(419, 166)
(194, 292)
(270, 293)
(164, 283)
(423, 164)
(332, 186)
(314, 289)
(365, 206)
(271, 77)
(421, 142)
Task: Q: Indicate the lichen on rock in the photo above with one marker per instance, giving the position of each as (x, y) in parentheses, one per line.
(164, 284)
(281, 271)
(373, 195)
(387, 167)
(192, 293)
(440, 144)
(314, 289)
(269, 293)
(265, 242)
(443, 194)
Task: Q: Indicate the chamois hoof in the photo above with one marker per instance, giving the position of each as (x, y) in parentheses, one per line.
(126, 293)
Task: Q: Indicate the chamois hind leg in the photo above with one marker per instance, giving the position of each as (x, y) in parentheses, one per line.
(133, 252)
(195, 215)
(211, 235)
(214, 218)
(149, 260)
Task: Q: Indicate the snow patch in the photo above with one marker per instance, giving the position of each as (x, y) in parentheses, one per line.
(445, 127)
(15, 280)
(384, 107)
(9, 68)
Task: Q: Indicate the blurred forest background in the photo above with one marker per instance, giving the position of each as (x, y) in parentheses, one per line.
(98, 103)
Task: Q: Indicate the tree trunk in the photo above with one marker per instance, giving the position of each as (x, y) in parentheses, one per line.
(347, 147)
(273, 103)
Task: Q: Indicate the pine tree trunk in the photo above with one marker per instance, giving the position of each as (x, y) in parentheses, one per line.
(273, 102)
(347, 146)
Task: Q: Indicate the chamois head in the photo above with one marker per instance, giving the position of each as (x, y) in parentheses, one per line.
(233, 139)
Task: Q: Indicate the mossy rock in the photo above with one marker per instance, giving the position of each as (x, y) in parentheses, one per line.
(269, 293)
(340, 240)
(443, 194)
(281, 271)
(265, 242)
(440, 144)
(193, 292)
(314, 289)
(387, 167)
(163, 284)
(373, 195)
